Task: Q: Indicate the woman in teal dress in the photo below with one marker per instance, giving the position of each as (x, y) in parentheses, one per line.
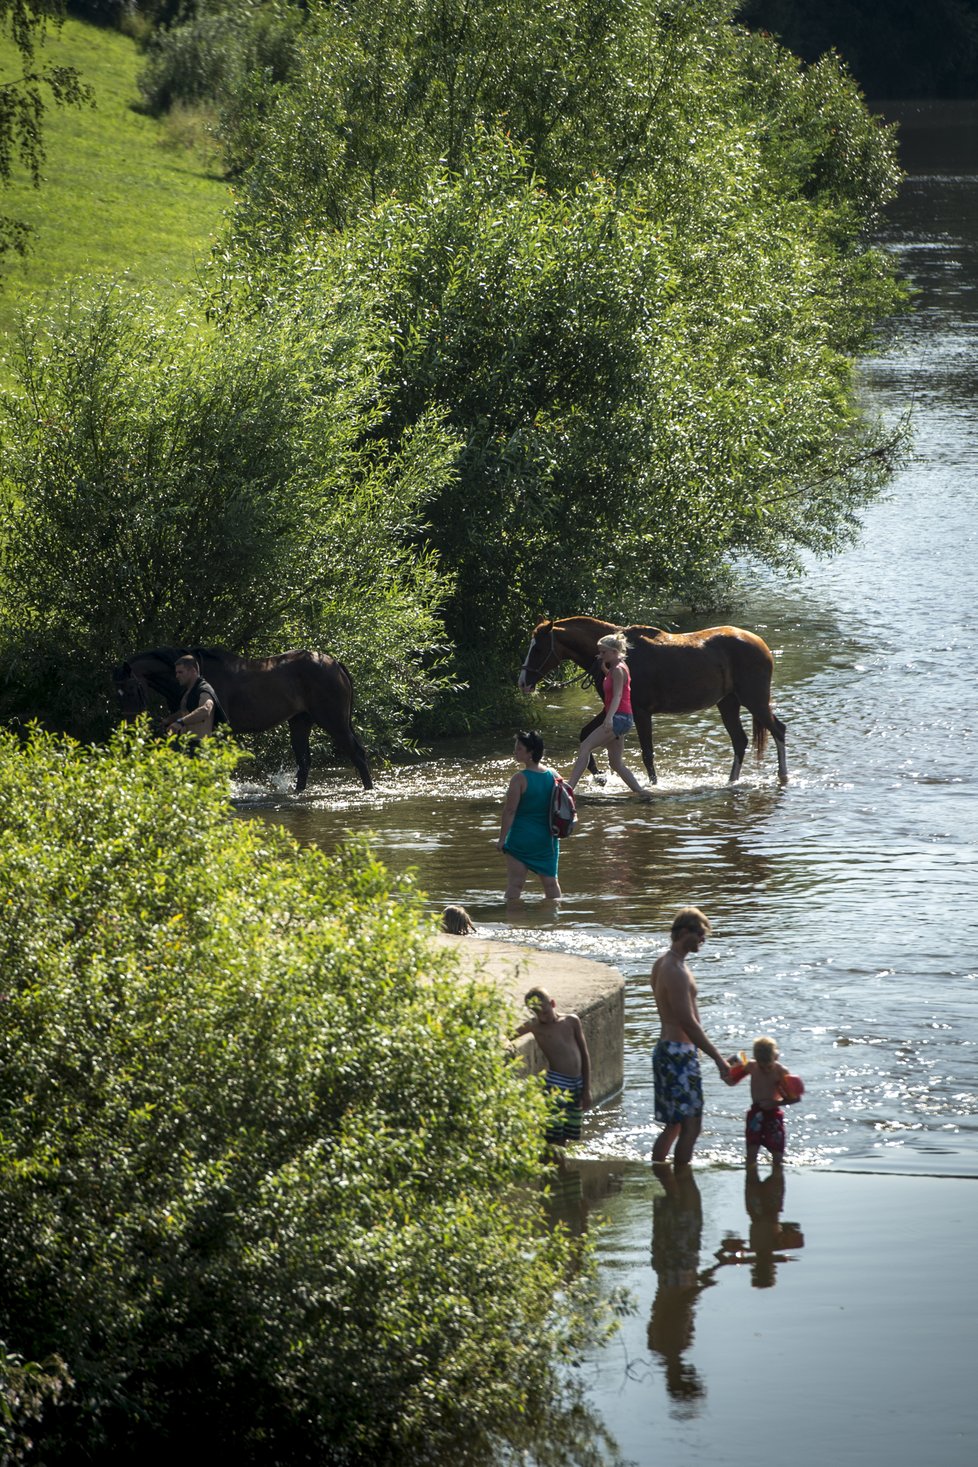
(524, 836)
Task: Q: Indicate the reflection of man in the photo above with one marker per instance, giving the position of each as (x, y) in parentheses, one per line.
(675, 1062)
(677, 1224)
(199, 709)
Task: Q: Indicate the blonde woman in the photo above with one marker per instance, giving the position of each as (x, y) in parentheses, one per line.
(618, 718)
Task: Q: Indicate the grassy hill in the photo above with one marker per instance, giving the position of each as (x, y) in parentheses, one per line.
(119, 191)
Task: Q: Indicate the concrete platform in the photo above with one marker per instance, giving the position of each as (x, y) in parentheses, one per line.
(593, 991)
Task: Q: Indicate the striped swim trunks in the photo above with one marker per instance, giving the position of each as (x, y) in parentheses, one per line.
(567, 1092)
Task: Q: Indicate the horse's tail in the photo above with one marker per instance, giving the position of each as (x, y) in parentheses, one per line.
(760, 737)
(346, 673)
(357, 750)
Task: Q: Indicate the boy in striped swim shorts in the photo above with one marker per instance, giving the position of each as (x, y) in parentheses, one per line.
(561, 1037)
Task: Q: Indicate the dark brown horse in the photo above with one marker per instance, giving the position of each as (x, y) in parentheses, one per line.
(297, 688)
(672, 673)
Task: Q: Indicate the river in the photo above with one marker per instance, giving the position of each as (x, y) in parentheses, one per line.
(844, 904)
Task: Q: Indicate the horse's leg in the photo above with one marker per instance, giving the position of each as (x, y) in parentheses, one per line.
(348, 742)
(586, 733)
(300, 727)
(357, 752)
(768, 722)
(780, 737)
(332, 712)
(729, 709)
(643, 727)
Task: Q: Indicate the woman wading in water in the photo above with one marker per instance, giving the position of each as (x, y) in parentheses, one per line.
(618, 719)
(524, 837)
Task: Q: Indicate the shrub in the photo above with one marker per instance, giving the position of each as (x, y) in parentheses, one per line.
(225, 485)
(207, 58)
(641, 391)
(264, 1166)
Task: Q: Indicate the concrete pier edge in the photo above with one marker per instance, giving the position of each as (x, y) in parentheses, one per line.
(594, 991)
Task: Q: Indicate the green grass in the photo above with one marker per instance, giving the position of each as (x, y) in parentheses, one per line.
(118, 194)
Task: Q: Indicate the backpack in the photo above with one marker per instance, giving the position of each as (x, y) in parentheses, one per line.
(563, 811)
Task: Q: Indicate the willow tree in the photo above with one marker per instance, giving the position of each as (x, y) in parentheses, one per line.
(637, 299)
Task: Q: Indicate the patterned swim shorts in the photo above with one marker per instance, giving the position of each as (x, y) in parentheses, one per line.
(678, 1084)
(566, 1091)
(765, 1128)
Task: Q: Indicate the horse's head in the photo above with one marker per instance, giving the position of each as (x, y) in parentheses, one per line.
(543, 654)
(130, 690)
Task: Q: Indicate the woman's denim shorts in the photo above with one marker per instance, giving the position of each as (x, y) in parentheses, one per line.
(622, 723)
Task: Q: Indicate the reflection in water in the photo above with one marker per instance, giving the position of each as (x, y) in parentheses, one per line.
(578, 1186)
(677, 1227)
(769, 1239)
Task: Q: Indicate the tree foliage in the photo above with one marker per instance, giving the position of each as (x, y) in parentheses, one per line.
(218, 481)
(621, 251)
(265, 1169)
(642, 334)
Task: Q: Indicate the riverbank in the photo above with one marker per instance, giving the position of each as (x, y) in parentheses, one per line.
(834, 1319)
(593, 991)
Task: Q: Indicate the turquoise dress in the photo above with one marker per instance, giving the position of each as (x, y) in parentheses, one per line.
(529, 838)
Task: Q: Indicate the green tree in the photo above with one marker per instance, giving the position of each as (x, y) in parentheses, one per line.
(638, 304)
(376, 98)
(640, 396)
(171, 480)
(267, 1176)
(22, 100)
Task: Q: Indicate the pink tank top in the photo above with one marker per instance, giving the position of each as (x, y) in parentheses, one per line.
(625, 706)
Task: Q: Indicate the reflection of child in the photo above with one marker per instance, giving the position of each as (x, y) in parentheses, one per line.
(562, 1040)
(765, 1119)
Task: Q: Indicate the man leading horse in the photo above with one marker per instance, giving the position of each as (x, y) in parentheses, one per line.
(199, 711)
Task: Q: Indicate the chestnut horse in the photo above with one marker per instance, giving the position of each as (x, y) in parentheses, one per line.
(298, 688)
(680, 672)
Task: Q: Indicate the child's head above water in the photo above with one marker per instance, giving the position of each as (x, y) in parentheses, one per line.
(457, 921)
(765, 1050)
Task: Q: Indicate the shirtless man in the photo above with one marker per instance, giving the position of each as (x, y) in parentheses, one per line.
(675, 1062)
(561, 1037)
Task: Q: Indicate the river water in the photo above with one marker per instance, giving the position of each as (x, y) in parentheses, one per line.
(844, 905)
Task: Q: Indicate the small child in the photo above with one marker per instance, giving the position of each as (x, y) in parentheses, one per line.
(561, 1037)
(765, 1119)
(457, 921)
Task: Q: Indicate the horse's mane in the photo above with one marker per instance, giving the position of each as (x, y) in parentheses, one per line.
(640, 631)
